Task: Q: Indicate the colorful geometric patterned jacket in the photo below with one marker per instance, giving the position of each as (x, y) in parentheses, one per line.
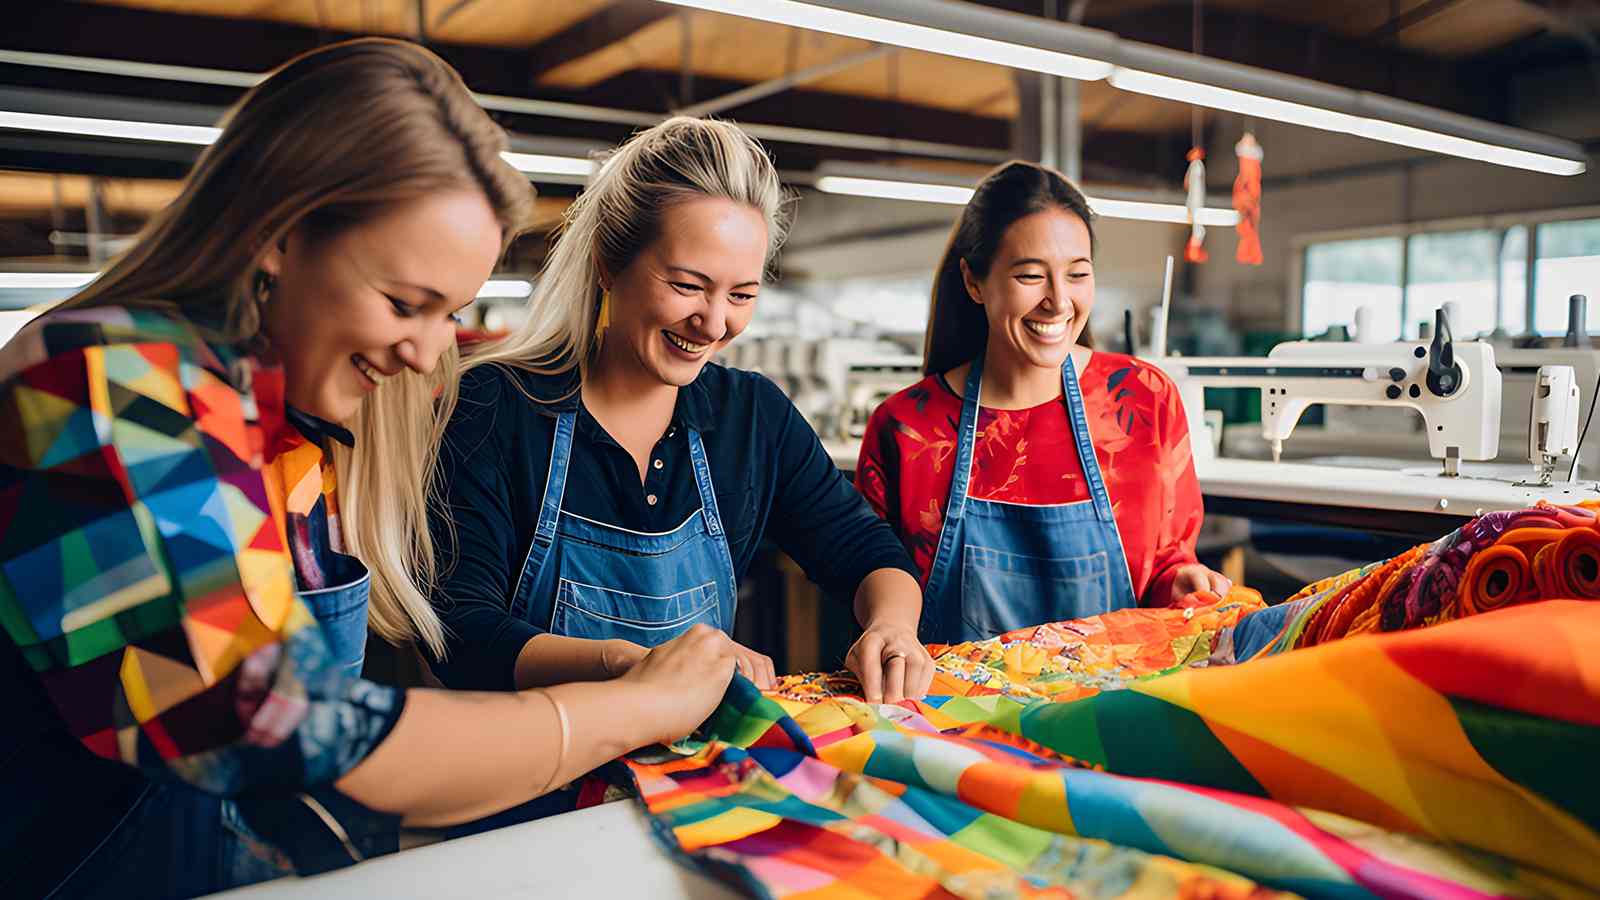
(154, 510)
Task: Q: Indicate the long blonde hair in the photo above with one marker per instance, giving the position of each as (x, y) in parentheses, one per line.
(334, 137)
(616, 216)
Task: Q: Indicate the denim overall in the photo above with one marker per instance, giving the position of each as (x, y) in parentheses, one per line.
(342, 611)
(589, 579)
(1002, 566)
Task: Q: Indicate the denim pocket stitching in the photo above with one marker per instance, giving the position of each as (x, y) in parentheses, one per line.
(708, 592)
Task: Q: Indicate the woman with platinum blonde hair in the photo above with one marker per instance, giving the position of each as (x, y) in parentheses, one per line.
(604, 485)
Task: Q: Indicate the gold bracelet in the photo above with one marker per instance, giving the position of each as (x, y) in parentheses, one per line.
(566, 733)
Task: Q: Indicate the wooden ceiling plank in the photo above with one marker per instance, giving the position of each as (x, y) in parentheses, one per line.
(595, 35)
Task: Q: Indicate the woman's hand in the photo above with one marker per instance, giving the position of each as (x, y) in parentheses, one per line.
(1196, 577)
(891, 663)
(755, 666)
(618, 656)
(682, 681)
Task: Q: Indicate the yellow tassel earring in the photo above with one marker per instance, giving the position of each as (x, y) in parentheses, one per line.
(604, 321)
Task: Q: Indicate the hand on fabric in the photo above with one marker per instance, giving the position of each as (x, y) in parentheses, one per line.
(618, 657)
(682, 681)
(1196, 577)
(891, 663)
(755, 666)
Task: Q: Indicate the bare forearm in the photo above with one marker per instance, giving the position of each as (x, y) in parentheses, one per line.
(552, 659)
(888, 596)
(457, 756)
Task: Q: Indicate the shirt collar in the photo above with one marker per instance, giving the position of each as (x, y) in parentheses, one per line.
(694, 409)
(317, 430)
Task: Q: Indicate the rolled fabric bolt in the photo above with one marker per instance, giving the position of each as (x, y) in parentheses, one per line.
(1577, 559)
(1497, 577)
(1546, 575)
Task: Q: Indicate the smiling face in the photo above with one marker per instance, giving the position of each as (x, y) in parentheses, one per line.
(690, 292)
(376, 298)
(1039, 290)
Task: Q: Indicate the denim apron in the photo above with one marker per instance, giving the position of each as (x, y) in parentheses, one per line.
(1002, 566)
(589, 579)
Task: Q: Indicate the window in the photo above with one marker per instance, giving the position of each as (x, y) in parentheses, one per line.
(1344, 275)
(1514, 279)
(1452, 266)
(1568, 263)
(1403, 278)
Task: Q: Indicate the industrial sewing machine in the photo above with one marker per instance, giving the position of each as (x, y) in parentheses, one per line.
(1455, 385)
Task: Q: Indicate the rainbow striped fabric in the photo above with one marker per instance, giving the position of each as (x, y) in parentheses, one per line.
(1457, 760)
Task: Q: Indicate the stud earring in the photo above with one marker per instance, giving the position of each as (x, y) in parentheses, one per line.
(265, 282)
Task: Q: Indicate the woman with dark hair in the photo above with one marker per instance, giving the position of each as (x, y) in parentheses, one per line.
(1033, 478)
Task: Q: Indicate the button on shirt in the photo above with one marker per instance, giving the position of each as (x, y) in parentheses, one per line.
(772, 479)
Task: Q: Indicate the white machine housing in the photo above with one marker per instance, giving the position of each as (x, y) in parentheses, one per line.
(1462, 425)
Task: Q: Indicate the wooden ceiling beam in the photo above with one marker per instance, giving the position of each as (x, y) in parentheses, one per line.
(601, 30)
(115, 32)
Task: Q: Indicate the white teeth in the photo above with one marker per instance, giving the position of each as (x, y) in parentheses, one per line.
(368, 370)
(684, 345)
(1045, 330)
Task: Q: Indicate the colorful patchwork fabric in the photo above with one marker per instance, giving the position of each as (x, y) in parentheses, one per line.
(1447, 761)
(1500, 559)
(152, 504)
(1062, 660)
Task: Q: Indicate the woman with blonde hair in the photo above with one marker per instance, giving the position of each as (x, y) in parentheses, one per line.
(183, 608)
(605, 485)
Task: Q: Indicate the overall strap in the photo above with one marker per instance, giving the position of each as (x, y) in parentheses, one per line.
(1084, 441)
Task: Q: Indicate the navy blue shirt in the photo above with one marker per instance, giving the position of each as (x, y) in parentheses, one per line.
(772, 478)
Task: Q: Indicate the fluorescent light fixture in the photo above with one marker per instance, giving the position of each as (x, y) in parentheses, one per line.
(532, 163)
(44, 281)
(1450, 145)
(1185, 91)
(513, 288)
(952, 30)
(895, 190)
(544, 164)
(1176, 213)
(112, 128)
(1240, 102)
(909, 35)
(954, 195)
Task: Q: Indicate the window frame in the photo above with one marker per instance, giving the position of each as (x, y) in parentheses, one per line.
(1498, 223)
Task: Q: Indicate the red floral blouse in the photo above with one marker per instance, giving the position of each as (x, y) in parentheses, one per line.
(1027, 456)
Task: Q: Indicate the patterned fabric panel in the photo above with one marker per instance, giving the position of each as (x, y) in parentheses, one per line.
(1121, 756)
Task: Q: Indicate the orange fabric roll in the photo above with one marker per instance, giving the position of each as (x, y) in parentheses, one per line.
(1522, 537)
(1497, 577)
(1547, 577)
(1577, 561)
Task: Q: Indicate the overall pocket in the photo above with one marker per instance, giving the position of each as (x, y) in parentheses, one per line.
(341, 610)
(599, 613)
(1003, 591)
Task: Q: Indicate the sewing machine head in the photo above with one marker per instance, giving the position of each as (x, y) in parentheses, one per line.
(1455, 385)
